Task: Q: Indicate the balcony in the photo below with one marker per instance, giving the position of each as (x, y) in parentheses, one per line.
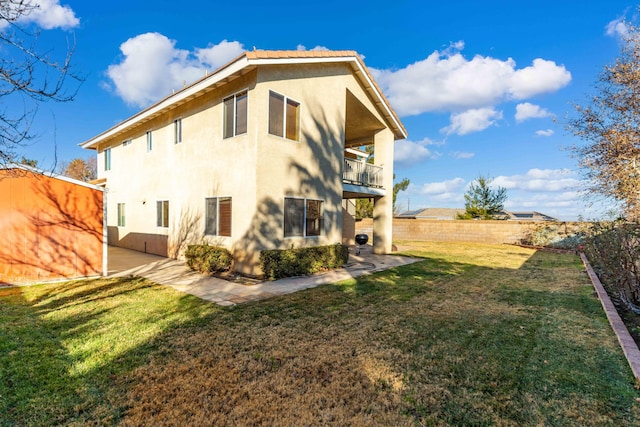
(357, 172)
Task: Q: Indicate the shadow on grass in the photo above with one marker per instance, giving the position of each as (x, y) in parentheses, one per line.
(438, 341)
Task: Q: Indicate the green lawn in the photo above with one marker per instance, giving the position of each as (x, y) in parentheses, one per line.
(471, 335)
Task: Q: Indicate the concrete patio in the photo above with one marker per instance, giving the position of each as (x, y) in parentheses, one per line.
(175, 273)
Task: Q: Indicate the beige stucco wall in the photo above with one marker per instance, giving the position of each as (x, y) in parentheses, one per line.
(257, 170)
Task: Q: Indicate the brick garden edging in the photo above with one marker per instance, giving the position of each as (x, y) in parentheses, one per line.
(629, 346)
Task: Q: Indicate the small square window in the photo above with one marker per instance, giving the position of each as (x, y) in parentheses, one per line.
(284, 116)
(235, 114)
(303, 217)
(218, 216)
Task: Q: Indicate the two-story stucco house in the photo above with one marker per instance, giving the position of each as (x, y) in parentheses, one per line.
(256, 155)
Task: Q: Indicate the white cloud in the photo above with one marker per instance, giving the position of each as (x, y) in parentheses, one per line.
(545, 132)
(444, 187)
(527, 110)
(409, 152)
(152, 66)
(217, 55)
(462, 155)
(617, 28)
(302, 47)
(473, 120)
(541, 77)
(447, 81)
(545, 180)
(47, 14)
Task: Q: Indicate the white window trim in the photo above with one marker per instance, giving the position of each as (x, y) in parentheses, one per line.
(149, 136)
(217, 216)
(304, 218)
(235, 112)
(284, 117)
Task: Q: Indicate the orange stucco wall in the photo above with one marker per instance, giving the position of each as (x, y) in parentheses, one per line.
(49, 228)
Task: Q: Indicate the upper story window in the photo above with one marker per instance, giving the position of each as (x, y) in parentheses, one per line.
(177, 131)
(126, 142)
(235, 114)
(284, 116)
(149, 141)
(303, 217)
(107, 159)
(162, 213)
(218, 216)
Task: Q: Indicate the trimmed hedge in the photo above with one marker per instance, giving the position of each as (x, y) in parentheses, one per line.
(279, 263)
(208, 259)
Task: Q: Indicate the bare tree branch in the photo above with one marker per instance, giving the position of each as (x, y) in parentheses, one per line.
(28, 76)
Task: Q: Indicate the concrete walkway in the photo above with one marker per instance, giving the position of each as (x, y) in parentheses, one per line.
(175, 273)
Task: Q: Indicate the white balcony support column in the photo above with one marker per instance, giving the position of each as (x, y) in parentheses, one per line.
(383, 206)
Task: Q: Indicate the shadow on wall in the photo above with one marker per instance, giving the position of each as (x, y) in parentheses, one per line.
(324, 148)
(53, 231)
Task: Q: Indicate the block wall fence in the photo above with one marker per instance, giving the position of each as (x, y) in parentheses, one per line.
(463, 230)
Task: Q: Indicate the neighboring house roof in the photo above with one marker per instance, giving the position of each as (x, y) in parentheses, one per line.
(432, 213)
(527, 216)
(31, 169)
(247, 62)
(447, 213)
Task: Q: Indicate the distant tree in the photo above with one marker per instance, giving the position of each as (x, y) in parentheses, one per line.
(483, 202)
(80, 169)
(364, 208)
(398, 187)
(609, 126)
(28, 74)
(28, 162)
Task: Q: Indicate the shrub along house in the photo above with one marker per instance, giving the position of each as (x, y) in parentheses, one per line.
(51, 227)
(256, 155)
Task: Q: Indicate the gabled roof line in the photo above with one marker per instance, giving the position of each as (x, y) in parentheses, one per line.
(54, 175)
(259, 57)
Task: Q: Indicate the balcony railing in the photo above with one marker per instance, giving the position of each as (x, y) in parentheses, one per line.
(360, 173)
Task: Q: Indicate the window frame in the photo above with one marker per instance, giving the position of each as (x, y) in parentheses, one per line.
(286, 100)
(305, 231)
(233, 132)
(126, 142)
(107, 159)
(177, 131)
(218, 232)
(162, 213)
(121, 215)
(149, 141)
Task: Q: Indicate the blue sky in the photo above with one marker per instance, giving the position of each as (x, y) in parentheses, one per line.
(483, 88)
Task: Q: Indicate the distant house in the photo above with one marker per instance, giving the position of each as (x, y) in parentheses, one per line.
(451, 213)
(51, 227)
(432, 213)
(263, 153)
(526, 216)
